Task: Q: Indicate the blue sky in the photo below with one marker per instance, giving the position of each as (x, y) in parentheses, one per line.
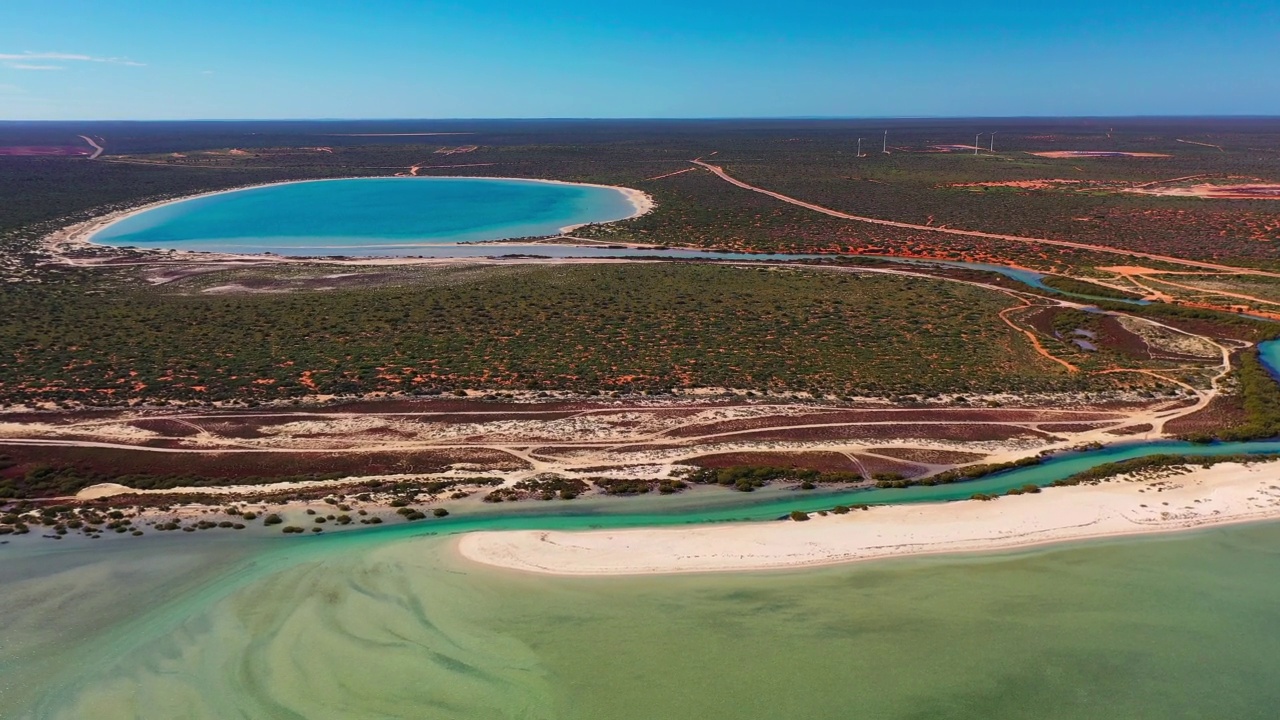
(136, 59)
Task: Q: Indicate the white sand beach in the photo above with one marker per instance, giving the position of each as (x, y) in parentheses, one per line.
(1225, 493)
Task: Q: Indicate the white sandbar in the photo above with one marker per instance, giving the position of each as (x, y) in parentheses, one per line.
(1225, 493)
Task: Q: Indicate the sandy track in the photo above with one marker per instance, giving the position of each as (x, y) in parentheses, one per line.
(719, 172)
(1210, 291)
(595, 438)
(97, 149)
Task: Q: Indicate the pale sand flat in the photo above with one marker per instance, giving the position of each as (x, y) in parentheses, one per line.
(1225, 493)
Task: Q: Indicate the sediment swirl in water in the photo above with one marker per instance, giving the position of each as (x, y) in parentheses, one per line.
(377, 634)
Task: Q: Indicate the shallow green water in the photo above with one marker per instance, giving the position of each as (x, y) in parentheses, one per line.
(388, 623)
(1161, 628)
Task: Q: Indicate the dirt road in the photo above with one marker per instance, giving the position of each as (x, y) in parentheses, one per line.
(719, 172)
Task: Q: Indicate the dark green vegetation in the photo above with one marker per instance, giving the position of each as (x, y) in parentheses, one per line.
(33, 472)
(1080, 287)
(749, 478)
(638, 486)
(58, 521)
(1157, 463)
(1202, 320)
(960, 474)
(583, 328)
(1067, 320)
(543, 487)
(1260, 394)
(62, 479)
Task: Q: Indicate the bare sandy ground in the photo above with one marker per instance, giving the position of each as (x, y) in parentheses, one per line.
(1096, 154)
(1226, 493)
(1020, 184)
(1215, 192)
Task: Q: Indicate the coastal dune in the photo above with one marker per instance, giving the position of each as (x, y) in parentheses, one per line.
(1225, 493)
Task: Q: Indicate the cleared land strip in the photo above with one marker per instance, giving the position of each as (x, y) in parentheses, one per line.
(719, 171)
(97, 149)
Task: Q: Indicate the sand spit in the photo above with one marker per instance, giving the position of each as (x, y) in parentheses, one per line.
(1225, 493)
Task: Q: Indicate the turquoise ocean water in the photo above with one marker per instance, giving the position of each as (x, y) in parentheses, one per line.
(389, 623)
(366, 216)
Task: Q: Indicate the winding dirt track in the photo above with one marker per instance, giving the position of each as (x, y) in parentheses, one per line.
(97, 149)
(719, 172)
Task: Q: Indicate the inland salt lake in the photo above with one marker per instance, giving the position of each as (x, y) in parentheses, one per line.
(367, 216)
(389, 623)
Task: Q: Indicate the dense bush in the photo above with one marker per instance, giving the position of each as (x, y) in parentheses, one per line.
(1080, 287)
(747, 478)
(638, 486)
(646, 328)
(542, 487)
(961, 474)
(1157, 462)
(1261, 395)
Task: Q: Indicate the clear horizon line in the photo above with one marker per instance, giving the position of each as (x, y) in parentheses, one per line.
(707, 118)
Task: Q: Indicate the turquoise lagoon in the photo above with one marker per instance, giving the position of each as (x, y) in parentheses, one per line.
(367, 216)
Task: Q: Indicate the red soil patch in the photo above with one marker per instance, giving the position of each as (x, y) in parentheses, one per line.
(563, 452)
(462, 405)
(896, 430)
(168, 428)
(242, 428)
(930, 457)
(69, 417)
(820, 461)
(1115, 337)
(1021, 184)
(1069, 427)
(992, 415)
(1111, 335)
(878, 465)
(673, 445)
(44, 151)
(1132, 430)
(482, 419)
(250, 467)
(1221, 412)
(1216, 192)
(370, 433)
